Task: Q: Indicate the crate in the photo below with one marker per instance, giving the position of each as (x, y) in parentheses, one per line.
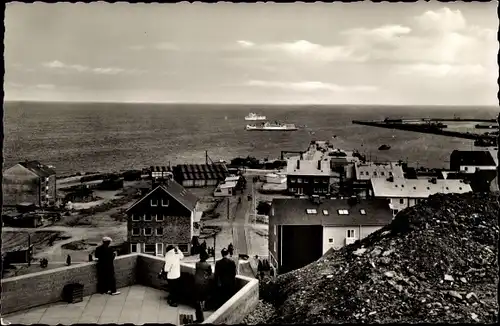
(73, 293)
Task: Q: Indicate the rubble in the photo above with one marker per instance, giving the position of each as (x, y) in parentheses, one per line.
(399, 276)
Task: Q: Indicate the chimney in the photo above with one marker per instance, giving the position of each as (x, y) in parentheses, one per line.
(298, 164)
(319, 164)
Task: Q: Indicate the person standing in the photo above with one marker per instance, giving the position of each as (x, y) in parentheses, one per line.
(172, 267)
(202, 277)
(230, 249)
(106, 281)
(225, 276)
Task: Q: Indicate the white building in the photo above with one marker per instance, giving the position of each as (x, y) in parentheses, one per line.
(276, 178)
(470, 161)
(403, 193)
(228, 187)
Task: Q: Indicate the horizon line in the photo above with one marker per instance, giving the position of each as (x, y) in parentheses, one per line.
(241, 104)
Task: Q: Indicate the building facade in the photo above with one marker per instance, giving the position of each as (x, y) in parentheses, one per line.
(308, 177)
(29, 182)
(166, 215)
(471, 161)
(199, 175)
(302, 230)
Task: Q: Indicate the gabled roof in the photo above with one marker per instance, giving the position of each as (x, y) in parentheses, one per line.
(308, 167)
(366, 171)
(178, 192)
(417, 188)
(473, 158)
(38, 168)
(200, 171)
(293, 211)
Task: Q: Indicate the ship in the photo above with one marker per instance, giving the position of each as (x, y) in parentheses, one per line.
(255, 117)
(384, 147)
(273, 126)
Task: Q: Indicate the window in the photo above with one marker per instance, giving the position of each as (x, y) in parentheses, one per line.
(154, 202)
(148, 231)
(459, 188)
(159, 217)
(154, 217)
(159, 249)
(275, 246)
(184, 247)
(292, 180)
(133, 247)
(401, 201)
(330, 240)
(361, 173)
(390, 173)
(136, 218)
(150, 248)
(275, 229)
(311, 211)
(350, 233)
(466, 168)
(325, 180)
(306, 180)
(362, 212)
(293, 189)
(316, 181)
(382, 173)
(375, 173)
(299, 180)
(343, 212)
(136, 231)
(159, 231)
(147, 217)
(447, 188)
(325, 212)
(165, 202)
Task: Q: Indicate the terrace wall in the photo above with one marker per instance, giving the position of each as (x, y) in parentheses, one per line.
(32, 290)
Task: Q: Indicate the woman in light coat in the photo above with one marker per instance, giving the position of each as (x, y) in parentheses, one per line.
(172, 267)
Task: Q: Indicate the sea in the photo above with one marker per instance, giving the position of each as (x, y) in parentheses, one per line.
(107, 137)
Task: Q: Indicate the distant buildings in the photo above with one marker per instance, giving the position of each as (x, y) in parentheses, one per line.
(364, 172)
(403, 193)
(302, 230)
(470, 161)
(229, 187)
(166, 215)
(29, 182)
(199, 175)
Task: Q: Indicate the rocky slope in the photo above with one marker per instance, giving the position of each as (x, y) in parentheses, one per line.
(436, 262)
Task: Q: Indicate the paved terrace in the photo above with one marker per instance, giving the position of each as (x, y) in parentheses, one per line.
(36, 298)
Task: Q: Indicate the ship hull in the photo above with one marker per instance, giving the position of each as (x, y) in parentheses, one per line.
(255, 119)
(271, 129)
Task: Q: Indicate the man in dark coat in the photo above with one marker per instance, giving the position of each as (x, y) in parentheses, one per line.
(230, 249)
(202, 278)
(106, 282)
(225, 276)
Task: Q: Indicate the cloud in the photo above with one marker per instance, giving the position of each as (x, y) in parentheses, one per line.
(58, 65)
(442, 20)
(383, 32)
(45, 86)
(245, 44)
(308, 86)
(305, 50)
(441, 70)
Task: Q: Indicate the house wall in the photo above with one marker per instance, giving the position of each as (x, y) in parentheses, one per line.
(52, 190)
(339, 234)
(224, 192)
(20, 185)
(472, 168)
(308, 185)
(406, 202)
(176, 224)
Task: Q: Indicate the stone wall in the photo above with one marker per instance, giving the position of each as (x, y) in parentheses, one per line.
(36, 289)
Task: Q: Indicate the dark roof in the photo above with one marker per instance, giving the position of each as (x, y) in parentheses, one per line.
(38, 168)
(200, 171)
(294, 212)
(178, 192)
(473, 158)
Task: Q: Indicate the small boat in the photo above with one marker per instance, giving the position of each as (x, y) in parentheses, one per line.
(255, 117)
(384, 147)
(272, 126)
(479, 126)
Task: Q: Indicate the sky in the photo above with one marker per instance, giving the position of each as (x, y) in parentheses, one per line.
(322, 53)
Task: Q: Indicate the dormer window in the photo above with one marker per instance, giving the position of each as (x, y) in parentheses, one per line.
(165, 202)
(382, 173)
(154, 202)
(447, 188)
(375, 173)
(390, 173)
(325, 212)
(343, 212)
(362, 212)
(459, 188)
(311, 211)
